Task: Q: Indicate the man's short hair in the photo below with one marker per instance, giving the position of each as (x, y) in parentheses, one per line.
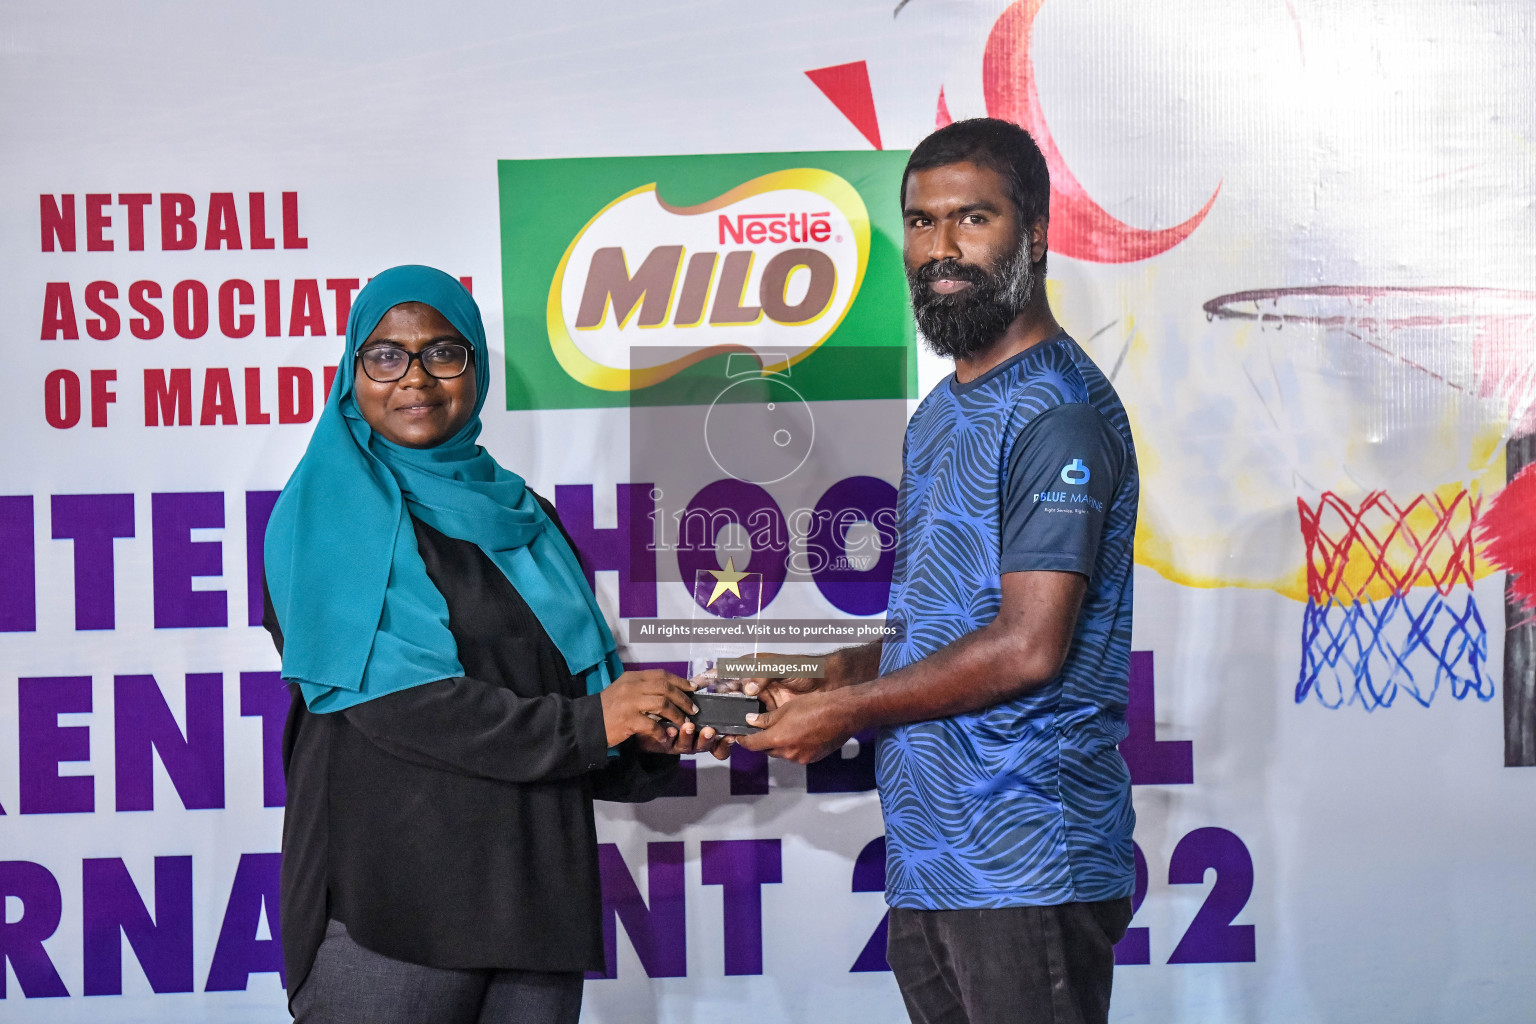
(1001, 145)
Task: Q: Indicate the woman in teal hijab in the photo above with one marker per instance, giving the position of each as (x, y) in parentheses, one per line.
(457, 698)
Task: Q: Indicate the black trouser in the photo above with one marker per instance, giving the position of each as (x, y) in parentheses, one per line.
(352, 985)
(1014, 965)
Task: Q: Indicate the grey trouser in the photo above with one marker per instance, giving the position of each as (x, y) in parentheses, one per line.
(1013, 965)
(352, 985)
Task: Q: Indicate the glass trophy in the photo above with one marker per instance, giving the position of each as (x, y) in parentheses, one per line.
(725, 602)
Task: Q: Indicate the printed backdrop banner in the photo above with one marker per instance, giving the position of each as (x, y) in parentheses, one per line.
(1296, 234)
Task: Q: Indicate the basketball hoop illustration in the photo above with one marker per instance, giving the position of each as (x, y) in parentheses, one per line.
(1389, 587)
(1390, 577)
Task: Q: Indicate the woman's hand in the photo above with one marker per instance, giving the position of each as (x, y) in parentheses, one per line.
(643, 703)
(690, 739)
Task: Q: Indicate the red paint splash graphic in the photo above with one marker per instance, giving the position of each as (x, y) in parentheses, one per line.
(847, 86)
(1508, 533)
(1080, 227)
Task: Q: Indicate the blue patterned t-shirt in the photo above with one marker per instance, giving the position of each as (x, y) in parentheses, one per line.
(1029, 467)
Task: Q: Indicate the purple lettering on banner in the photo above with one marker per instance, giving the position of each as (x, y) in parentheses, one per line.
(1136, 946)
(265, 694)
(238, 954)
(626, 547)
(869, 876)
(844, 579)
(659, 932)
(178, 559)
(144, 726)
(112, 909)
(21, 940)
(258, 509)
(742, 867)
(1152, 761)
(749, 772)
(751, 508)
(93, 521)
(45, 744)
(1211, 937)
(686, 781)
(838, 774)
(18, 565)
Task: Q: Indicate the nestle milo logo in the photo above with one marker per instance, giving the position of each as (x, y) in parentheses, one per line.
(770, 266)
(691, 258)
(757, 228)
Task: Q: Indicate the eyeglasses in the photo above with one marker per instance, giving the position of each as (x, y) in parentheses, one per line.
(386, 364)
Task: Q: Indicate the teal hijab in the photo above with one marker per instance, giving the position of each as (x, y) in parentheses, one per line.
(359, 614)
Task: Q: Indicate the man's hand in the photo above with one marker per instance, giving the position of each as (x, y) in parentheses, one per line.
(772, 690)
(847, 667)
(1022, 648)
(806, 730)
(775, 693)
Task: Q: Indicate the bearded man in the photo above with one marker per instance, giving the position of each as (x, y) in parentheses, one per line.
(1000, 705)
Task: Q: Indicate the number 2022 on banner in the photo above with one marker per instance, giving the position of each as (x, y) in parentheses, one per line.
(1211, 937)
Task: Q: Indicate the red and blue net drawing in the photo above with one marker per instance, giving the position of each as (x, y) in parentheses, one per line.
(1391, 613)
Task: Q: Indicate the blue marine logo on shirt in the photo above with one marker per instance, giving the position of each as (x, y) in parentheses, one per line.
(1075, 473)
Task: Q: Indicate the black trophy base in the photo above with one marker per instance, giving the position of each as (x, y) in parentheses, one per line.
(726, 713)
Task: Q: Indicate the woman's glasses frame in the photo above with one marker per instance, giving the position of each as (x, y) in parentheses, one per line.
(469, 355)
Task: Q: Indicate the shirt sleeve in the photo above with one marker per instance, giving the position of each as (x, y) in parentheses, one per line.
(635, 775)
(1065, 466)
(477, 728)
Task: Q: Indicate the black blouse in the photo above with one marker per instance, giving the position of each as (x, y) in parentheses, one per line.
(451, 824)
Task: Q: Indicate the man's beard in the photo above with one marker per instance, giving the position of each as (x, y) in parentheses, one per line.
(963, 323)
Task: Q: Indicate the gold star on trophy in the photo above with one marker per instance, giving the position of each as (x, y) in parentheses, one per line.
(726, 580)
